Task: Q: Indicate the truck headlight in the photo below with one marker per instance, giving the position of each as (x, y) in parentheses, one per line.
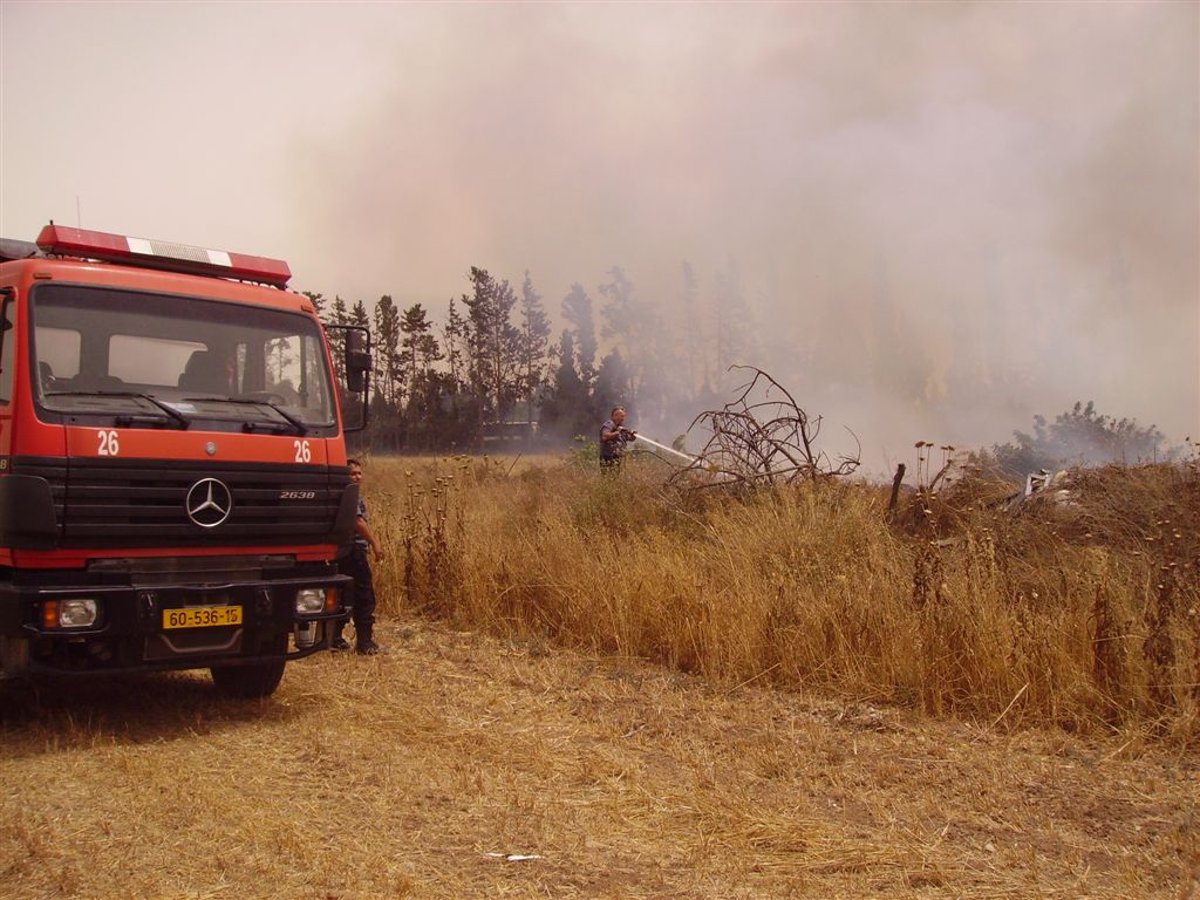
(310, 601)
(77, 612)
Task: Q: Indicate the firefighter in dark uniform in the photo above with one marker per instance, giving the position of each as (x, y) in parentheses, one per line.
(358, 564)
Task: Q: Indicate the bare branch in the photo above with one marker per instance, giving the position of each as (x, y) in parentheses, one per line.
(762, 438)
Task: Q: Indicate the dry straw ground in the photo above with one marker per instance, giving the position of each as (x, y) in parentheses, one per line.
(1083, 613)
(666, 696)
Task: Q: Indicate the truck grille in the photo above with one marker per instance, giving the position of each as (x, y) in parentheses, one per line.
(142, 503)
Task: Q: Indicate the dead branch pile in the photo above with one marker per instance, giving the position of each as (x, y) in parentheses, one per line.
(762, 438)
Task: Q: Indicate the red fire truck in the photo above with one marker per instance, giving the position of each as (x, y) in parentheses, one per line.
(173, 480)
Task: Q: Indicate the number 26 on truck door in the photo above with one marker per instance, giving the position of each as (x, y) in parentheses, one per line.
(108, 443)
(303, 451)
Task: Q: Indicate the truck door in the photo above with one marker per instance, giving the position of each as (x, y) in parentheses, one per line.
(8, 346)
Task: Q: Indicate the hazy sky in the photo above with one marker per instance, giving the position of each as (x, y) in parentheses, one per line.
(946, 217)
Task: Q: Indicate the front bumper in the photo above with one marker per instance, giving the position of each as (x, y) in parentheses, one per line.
(130, 633)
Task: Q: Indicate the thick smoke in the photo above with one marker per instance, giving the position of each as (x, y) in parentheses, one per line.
(932, 221)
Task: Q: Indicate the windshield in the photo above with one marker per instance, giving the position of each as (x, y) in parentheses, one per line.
(156, 358)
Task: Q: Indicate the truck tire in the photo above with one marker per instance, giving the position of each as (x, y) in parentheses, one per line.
(251, 681)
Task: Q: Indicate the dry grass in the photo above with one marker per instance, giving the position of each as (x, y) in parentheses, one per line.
(1086, 616)
(663, 695)
(420, 772)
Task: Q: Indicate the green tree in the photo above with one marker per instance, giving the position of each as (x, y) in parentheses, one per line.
(577, 310)
(567, 409)
(612, 382)
(338, 315)
(620, 313)
(457, 417)
(419, 349)
(535, 337)
(454, 338)
(493, 345)
(653, 377)
(387, 351)
(634, 328)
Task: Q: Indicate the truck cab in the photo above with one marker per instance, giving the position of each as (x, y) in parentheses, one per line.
(173, 481)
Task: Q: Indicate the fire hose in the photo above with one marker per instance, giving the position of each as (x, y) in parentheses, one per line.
(654, 443)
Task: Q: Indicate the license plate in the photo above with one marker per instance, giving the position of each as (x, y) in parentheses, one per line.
(202, 617)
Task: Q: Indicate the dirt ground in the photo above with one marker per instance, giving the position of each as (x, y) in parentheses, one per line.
(459, 765)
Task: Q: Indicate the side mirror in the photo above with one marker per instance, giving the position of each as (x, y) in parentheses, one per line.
(355, 344)
(358, 359)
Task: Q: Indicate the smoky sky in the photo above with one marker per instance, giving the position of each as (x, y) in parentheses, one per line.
(945, 218)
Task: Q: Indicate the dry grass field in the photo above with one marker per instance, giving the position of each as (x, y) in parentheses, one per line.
(1083, 614)
(598, 688)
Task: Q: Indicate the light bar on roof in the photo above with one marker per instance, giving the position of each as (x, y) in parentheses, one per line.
(66, 241)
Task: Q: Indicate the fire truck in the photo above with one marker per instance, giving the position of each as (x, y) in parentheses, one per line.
(173, 481)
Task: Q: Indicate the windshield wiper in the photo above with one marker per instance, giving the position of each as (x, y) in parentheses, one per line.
(291, 420)
(175, 414)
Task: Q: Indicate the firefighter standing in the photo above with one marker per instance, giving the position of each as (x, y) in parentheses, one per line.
(613, 438)
(358, 563)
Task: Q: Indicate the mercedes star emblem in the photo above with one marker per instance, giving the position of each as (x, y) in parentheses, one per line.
(209, 502)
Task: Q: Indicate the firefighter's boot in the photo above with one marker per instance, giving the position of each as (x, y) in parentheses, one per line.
(366, 645)
(338, 642)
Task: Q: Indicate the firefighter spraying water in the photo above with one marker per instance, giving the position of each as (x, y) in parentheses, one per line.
(614, 437)
(762, 438)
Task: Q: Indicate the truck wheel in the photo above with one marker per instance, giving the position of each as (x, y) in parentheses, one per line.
(255, 680)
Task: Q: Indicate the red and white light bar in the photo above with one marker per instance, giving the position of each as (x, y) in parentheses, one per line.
(65, 241)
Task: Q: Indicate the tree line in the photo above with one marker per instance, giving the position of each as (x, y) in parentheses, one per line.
(492, 367)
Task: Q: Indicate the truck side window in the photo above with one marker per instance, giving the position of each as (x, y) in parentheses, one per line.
(7, 347)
